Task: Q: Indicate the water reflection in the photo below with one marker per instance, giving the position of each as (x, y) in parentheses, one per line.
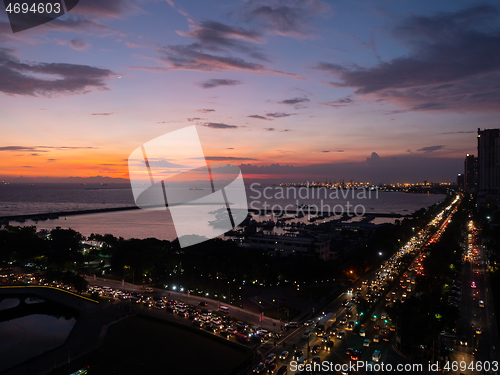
(8, 303)
(29, 336)
(31, 300)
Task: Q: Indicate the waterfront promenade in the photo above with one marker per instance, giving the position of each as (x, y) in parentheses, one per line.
(94, 318)
(86, 335)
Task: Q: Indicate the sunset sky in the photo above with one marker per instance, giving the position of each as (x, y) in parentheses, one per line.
(378, 91)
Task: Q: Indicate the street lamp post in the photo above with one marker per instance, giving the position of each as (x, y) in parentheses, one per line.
(308, 348)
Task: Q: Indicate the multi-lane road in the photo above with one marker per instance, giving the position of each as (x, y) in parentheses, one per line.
(477, 335)
(392, 282)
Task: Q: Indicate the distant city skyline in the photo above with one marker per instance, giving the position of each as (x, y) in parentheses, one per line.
(289, 90)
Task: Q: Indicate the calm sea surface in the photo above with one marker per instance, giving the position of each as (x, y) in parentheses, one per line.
(45, 198)
(31, 335)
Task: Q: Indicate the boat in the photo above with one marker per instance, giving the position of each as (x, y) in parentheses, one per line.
(302, 206)
(195, 188)
(220, 223)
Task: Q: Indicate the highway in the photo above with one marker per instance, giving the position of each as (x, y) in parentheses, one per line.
(380, 333)
(476, 311)
(236, 312)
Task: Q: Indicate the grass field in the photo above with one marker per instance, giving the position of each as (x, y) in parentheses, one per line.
(144, 346)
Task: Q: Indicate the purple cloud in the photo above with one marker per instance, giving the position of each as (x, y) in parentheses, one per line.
(18, 78)
(453, 64)
(218, 125)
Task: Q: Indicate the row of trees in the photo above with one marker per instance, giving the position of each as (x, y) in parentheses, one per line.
(59, 251)
(214, 266)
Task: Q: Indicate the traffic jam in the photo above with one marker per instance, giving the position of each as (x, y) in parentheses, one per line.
(337, 336)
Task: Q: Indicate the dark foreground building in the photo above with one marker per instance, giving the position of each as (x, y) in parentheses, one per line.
(488, 148)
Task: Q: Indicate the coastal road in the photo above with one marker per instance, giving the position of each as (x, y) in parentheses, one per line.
(236, 312)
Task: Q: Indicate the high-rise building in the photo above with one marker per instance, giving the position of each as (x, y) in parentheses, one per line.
(460, 181)
(488, 149)
(470, 174)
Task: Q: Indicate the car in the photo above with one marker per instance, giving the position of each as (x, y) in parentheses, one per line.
(210, 328)
(366, 342)
(343, 321)
(349, 351)
(264, 333)
(478, 331)
(292, 325)
(297, 354)
(202, 303)
(355, 354)
(386, 338)
(376, 338)
(315, 349)
(481, 303)
(350, 325)
(317, 360)
(325, 338)
(257, 338)
(270, 358)
(328, 346)
(341, 335)
(283, 370)
(259, 369)
(376, 356)
(284, 354)
(271, 368)
(473, 285)
(333, 331)
(463, 341)
(362, 332)
(376, 326)
(308, 323)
